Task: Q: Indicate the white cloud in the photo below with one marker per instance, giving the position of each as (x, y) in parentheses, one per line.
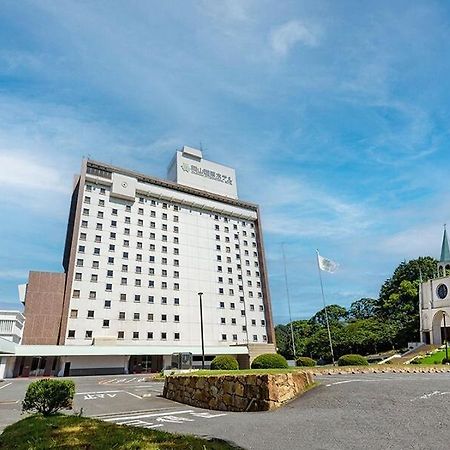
(23, 171)
(284, 37)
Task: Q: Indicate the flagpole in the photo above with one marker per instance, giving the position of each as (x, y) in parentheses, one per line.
(289, 301)
(325, 308)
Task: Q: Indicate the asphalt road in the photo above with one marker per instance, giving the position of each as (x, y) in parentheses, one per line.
(370, 411)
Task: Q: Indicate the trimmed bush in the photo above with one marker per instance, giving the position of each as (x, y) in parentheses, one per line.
(269, 361)
(446, 361)
(224, 362)
(48, 396)
(304, 361)
(352, 360)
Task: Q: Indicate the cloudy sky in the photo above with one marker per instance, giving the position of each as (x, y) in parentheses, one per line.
(335, 115)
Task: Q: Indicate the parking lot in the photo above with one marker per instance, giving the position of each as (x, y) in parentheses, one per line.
(370, 411)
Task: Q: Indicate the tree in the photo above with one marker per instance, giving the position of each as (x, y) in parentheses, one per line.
(335, 313)
(363, 308)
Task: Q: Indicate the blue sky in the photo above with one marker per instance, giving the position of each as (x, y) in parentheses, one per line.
(335, 115)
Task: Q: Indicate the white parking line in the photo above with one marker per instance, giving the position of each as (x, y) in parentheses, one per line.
(145, 416)
(97, 392)
(5, 385)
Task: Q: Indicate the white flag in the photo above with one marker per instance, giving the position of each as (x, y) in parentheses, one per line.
(326, 264)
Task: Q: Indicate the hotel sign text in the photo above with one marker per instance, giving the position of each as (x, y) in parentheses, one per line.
(191, 168)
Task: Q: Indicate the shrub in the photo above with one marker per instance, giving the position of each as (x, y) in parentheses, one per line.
(269, 361)
(446, 361)
(352, 360)
(224, 362)
(304, 361)
(48, 396)
(416, 361)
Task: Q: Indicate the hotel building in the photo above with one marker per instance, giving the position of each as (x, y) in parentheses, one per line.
(138, 252)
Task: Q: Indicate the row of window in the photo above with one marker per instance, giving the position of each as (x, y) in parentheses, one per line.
(121, 335)
(111, 260)
(122, 316)
(137, 299)
(136, 335)
(127, 231)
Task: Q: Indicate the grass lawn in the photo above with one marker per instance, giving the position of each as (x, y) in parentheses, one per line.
(435, 358)
(73, 432)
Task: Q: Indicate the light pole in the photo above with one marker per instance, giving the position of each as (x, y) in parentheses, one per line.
(201, 330)
(445, 337)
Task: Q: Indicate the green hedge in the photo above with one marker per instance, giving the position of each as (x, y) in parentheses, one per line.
(352, 360)
(304, 361)
(48, 396)
(446, 361)
(224, 362)
(269, 361)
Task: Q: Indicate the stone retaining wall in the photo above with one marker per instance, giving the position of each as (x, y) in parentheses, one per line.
(248, 392)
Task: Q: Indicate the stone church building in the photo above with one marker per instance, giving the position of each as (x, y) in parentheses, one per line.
(434, 298)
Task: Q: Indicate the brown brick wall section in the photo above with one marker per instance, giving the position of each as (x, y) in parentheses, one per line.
(43, 307)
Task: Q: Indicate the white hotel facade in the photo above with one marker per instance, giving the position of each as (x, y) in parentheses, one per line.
(138, 252)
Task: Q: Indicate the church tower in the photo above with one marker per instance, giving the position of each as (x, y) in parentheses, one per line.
(444, 262)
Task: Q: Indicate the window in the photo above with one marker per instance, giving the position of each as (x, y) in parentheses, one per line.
(234, 337)
(85, 211)
(150, 335)
(99, 227)
(126, 231)
(176, 286)
(122, 315)
(102, 191)
(224, 337)
(137, 298)
(107, 304)
(112, 248)
(163, 317)
(232, 306)
(151, 299)
(78, 276)
(100, 215)
(120, 334)
(84, 223)
(126, 243)
(90, 314)
(254, 322)
(136, 316)
(233, 321)
(176, 262)
(105, 323)
(221, 291)
(76, 293)
(263, 322)
(150, 317)
(123, 297)
(176, 318)
(96, 251)
(110, 259)
(137, 282)
(109, 287)
(127, 219)
(255, 338)
(164, 285)
(139, 233)
(164, 273)
(71, 334)
(73, 313)
(176, 301)
(109, 273)
(83, 236)
(151, 283)
(176, 336)
(125, 255)
(222, 305)
(113, 223)
(222, 320)
(114, 212)
(163, 336)
(94, 278)
(88, 334)
(81, 248)
(135, 334)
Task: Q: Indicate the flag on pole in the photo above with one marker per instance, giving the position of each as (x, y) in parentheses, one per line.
(327, 265)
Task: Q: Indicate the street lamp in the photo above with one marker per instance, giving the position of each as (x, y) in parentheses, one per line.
(445, 337)
(201, 330)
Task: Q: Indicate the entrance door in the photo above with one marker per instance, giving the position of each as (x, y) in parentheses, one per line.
(67, 369)
(37, 366)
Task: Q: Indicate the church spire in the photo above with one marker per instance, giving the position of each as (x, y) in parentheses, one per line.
(445, 252)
